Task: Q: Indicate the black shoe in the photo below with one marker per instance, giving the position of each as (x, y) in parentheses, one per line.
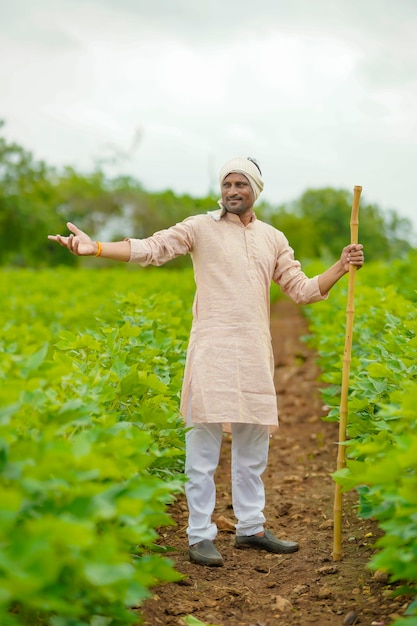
(267, 542)
(205, 553)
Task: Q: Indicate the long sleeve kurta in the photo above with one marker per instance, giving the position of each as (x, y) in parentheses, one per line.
(229, 371)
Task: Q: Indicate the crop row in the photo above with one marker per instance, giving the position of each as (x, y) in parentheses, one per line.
(91, 444)
(382, 414)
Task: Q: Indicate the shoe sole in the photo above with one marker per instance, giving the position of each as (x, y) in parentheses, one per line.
(248, 546)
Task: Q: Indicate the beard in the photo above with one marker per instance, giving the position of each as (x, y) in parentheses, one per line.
(237, 207)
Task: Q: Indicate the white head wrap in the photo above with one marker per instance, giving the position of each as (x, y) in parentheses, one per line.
(242, 165)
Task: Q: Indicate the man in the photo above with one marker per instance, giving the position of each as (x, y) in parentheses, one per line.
(228, 378)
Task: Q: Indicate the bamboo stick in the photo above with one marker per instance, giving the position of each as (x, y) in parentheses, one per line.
(350, 311)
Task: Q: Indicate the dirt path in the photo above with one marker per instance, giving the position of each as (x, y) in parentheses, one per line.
(260, 589)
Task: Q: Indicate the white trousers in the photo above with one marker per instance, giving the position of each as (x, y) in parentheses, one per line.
(250, 444)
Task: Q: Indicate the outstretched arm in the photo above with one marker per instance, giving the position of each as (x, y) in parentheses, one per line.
(80, 244)
(351, 255)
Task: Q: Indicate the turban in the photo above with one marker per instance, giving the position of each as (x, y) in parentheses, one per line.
(245, 166)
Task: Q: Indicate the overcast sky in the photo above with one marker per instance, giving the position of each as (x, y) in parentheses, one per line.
(322, 93)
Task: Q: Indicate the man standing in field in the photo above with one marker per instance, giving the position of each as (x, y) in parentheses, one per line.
(228, 378)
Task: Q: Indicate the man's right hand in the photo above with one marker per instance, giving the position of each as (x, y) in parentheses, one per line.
(78, 243)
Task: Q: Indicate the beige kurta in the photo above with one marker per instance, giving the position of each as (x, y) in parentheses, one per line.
(229, 372)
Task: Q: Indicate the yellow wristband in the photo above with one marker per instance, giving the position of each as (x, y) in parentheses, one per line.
(99, 248)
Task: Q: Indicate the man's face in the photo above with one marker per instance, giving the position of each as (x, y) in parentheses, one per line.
(237, 194)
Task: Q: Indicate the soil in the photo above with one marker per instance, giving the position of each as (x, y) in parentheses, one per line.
(308, 587)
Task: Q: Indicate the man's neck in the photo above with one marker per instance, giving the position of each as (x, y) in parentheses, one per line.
(246, 218)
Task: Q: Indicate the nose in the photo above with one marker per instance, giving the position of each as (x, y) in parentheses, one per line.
(233, 190)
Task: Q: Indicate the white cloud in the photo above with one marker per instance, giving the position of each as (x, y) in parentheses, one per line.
(321, 93)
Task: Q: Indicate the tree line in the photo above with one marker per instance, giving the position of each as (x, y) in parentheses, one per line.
(37, 199)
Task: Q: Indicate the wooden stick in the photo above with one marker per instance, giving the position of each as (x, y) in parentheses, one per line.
(350, 310)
